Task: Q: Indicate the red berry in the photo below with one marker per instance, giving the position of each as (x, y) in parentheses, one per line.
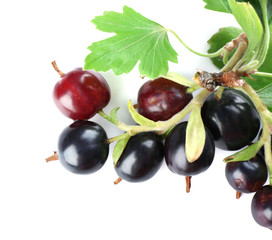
(80, 94)
(161, 98)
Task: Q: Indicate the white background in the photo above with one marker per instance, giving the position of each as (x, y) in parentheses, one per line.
(42, 200)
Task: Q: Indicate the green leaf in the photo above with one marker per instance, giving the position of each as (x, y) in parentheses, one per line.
(269, 11)
(250, 22)
(180, 79)
(219, 39)
(261, 82)
(137, 39)
(119, 148)
(218, 5)
(266, 96)
(223, 6)
(195, 135)
(257, 6)
(245, 154)
(138, 118)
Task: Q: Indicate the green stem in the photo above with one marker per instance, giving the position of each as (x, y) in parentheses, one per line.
(236, 57)
(267, 115)
(165, 125)
(226, 55)
(266, 38)
(261, 108)
(107, 117)
(113, 139)
(192, 89)
(250, 57)
(219, 92)
(268, 155)
(266, 135)
(249, 67)
(263, 74)
(210, 55)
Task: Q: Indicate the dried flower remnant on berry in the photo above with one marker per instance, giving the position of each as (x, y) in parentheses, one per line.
(212, 80)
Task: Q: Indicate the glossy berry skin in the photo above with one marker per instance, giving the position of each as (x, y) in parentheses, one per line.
(141, 158)
(82, 147)
(161, 98)
(175, 155)
(261, 206)
(80, 94)
(232, 119)
(247, 176)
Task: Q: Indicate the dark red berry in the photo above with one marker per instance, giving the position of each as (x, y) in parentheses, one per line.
(161, 98)
(80, 94)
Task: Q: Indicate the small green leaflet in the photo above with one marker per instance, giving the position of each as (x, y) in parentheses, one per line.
(138, 118)
(246, 153)
(250, 22)
(218, 5)
(195, 135)
(119, 148)
(137, 39)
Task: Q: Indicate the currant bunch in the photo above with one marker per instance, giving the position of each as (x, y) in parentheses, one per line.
(226, 113)
(230, 122)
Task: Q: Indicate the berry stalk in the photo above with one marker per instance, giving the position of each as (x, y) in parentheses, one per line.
(163, 126)
(263, 74)
(266, 134)
(210, 55)
(242, 47)
(268, 159)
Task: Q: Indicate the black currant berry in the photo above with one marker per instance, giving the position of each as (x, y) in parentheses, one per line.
(82, 147)
(142, 157)
(232, 119)
(175, 155)
(261, 206)
(247, 176)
